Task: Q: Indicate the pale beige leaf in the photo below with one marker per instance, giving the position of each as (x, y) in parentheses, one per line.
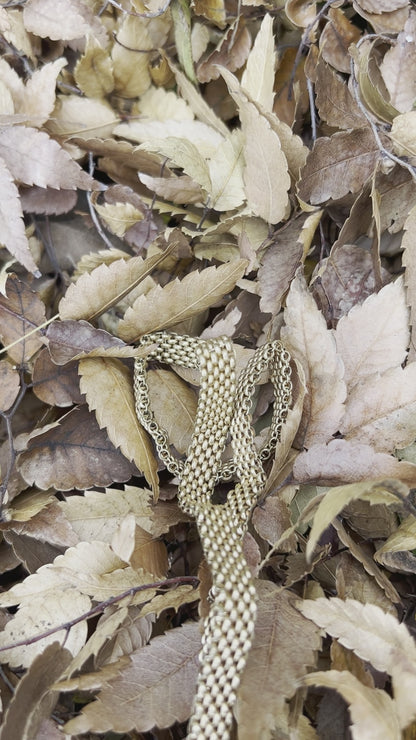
(34, 158)
(152, 136)
(381, 410)
(174, 405)
(93, 72)
(97, 291)
(62, 20)
(119, 217)
(375, 636)
(374, 336)
(258, 76)
(182, 153)
(12, 228)
(282, 649)
(349, 461)
(396, 67)
(195, 100)
(404, 538)
(159, 104)
(155, 690)
(40, 91)
(82, 117)
(373, 712)
(41, 612)
(306, 335)
(182, 189)
(226, 174)
(33, 699)
(409, 262)
(131, 67)
(163, 307)
(335, 499)
(96, 515)
(108, 387)
(403, 134)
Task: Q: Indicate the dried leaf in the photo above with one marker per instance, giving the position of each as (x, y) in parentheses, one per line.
(226, 174)
(44, 18)
(174, 405)
(410, 277)
(313, 345)
(93, 72)
(9, 385)
(21, 311)
(374, 336)
(396, 67)
(96, 292)
(276, 661)
(96, 515)
(153, 691)
(76, 453)
(40, 91)
(81, 117)
(12, 229)
(334, 100)
(55, 385)
(70, 339)
(381, 410)
(108, 387)
(337, 498)
(35, 159)
(338, 165)
(372, 711)
(258, 76)
(161, 308)
(375, 636)
(349, 461)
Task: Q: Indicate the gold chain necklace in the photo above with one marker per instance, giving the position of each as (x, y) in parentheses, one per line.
(223, 411)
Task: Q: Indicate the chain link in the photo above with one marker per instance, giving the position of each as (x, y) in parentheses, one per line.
(223, 411)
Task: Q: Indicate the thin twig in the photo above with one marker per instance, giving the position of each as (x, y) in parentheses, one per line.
(178, 581)
(93, 213)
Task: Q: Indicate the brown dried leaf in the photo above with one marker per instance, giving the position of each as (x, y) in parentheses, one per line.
(163, 307)
(21, 311)
(347, 461)
(336, 38)
(282, 649)
(334, 100)
(397, 67)
(108, 387)
(75, 453)
(35, 159)
(231, 53)
(338, 165)
(47, 200)
(313, 345)
(9, 385)
(55, 385)
(70, 339)
(96, 292)
(152, 691)
(12, 229)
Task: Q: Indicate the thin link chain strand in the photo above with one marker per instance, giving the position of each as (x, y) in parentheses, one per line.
(223, 408)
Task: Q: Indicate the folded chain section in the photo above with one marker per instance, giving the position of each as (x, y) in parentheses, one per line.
(223, 413)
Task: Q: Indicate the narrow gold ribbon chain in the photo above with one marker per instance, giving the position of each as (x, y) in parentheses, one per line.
(223, 410)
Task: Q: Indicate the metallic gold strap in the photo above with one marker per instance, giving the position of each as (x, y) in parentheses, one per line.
(224, 410)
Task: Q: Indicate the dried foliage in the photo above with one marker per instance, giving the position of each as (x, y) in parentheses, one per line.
(212, 168)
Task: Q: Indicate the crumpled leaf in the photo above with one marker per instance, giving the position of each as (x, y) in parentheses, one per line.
(163, 307)
(152, 691)
(74, 453)
(108, 387)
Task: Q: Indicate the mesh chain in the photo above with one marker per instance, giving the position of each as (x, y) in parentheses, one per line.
(224, 409)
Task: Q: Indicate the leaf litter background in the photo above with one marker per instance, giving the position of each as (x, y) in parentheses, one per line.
(220, 168)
